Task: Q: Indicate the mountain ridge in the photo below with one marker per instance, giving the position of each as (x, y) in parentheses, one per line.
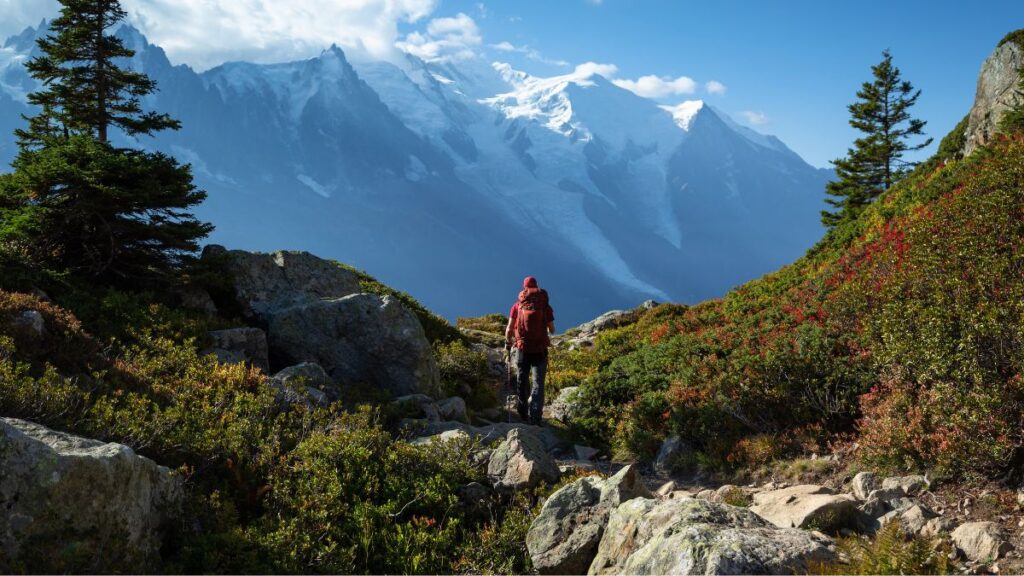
(427, 171)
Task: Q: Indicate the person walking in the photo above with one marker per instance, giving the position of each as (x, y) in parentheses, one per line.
(530, 322)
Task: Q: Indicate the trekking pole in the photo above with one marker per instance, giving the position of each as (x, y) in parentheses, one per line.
(508, 381)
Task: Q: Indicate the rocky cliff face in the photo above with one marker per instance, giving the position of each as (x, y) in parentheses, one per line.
(998, 92)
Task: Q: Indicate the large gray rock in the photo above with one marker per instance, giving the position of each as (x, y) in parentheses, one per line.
(358, 339)
(981, 541)
(863, 484)
(314, 312)
(692, 536)
(997, 93)
(265, 283)
(61, 495)
(521, 462)
(235, 345)
(564, 407)
(913, 485)
(584, 335)
(806, 506)
(305, 383)
(563, 538)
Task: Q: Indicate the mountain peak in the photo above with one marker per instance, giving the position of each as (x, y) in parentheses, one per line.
(684, 112)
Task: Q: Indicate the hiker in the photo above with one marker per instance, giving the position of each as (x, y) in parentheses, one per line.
(529, 323)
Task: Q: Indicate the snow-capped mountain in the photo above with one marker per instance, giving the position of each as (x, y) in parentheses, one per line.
(454, 180)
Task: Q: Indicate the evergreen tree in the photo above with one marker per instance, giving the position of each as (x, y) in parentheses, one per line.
(76, 203)
(875, 162)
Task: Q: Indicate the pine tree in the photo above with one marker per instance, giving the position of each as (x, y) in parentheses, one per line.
(76, 203)
(875, 162)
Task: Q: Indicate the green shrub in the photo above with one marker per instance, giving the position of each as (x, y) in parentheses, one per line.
(467, 373)
(491, 323)
(353, 500)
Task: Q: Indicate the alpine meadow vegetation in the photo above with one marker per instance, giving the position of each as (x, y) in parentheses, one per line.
(904, 327)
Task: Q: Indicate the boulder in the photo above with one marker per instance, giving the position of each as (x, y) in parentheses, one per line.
(453, 408)
(305, 383)
(33, 321)
(563, 538)
(564, 406)
(358, 339)
(863, 484)
(418, 406)
(673, 455)
(912, 519)
(65, 497)
(585, 453)
(938, 526)
(197, 299)
(996, 94)
(448, 436)
(910, 485)
(235, 345)
(266, 283)
(982, 542)
(474, 493)
(584, 335)
(521, 462)
(698, 537)
(806, 506)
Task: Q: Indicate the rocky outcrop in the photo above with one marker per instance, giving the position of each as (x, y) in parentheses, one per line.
(982, 542)
(863, 484)
(521, 462)
(305, 383)
(563, 538)
(235, 345)
(584, 335)
(806, 506)
(689, 536)
(358, 339)
(265, 283)
(314, 312)
(63, 495)
(565, 405)
(998, 91)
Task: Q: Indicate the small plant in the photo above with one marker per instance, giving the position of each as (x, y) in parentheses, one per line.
(736, 497)
(890, 552)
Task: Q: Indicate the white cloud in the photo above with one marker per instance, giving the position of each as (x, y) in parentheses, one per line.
(754, 118)
(659, 86)
(530, 53)
(445, 39)
(715, 87)
(588, 69)
(205, 33)
(16, 15)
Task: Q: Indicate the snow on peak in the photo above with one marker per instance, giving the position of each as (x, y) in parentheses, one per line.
(685, 112)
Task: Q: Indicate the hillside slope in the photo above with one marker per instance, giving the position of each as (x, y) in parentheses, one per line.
(903, 331)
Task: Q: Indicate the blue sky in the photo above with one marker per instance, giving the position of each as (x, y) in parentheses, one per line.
(787, 68)
(799, 63)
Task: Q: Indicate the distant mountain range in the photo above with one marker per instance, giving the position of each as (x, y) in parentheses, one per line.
(454, 180)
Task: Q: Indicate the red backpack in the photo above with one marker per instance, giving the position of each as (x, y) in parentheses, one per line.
(531, 328)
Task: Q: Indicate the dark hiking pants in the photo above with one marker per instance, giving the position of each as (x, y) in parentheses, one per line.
(531, 400)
